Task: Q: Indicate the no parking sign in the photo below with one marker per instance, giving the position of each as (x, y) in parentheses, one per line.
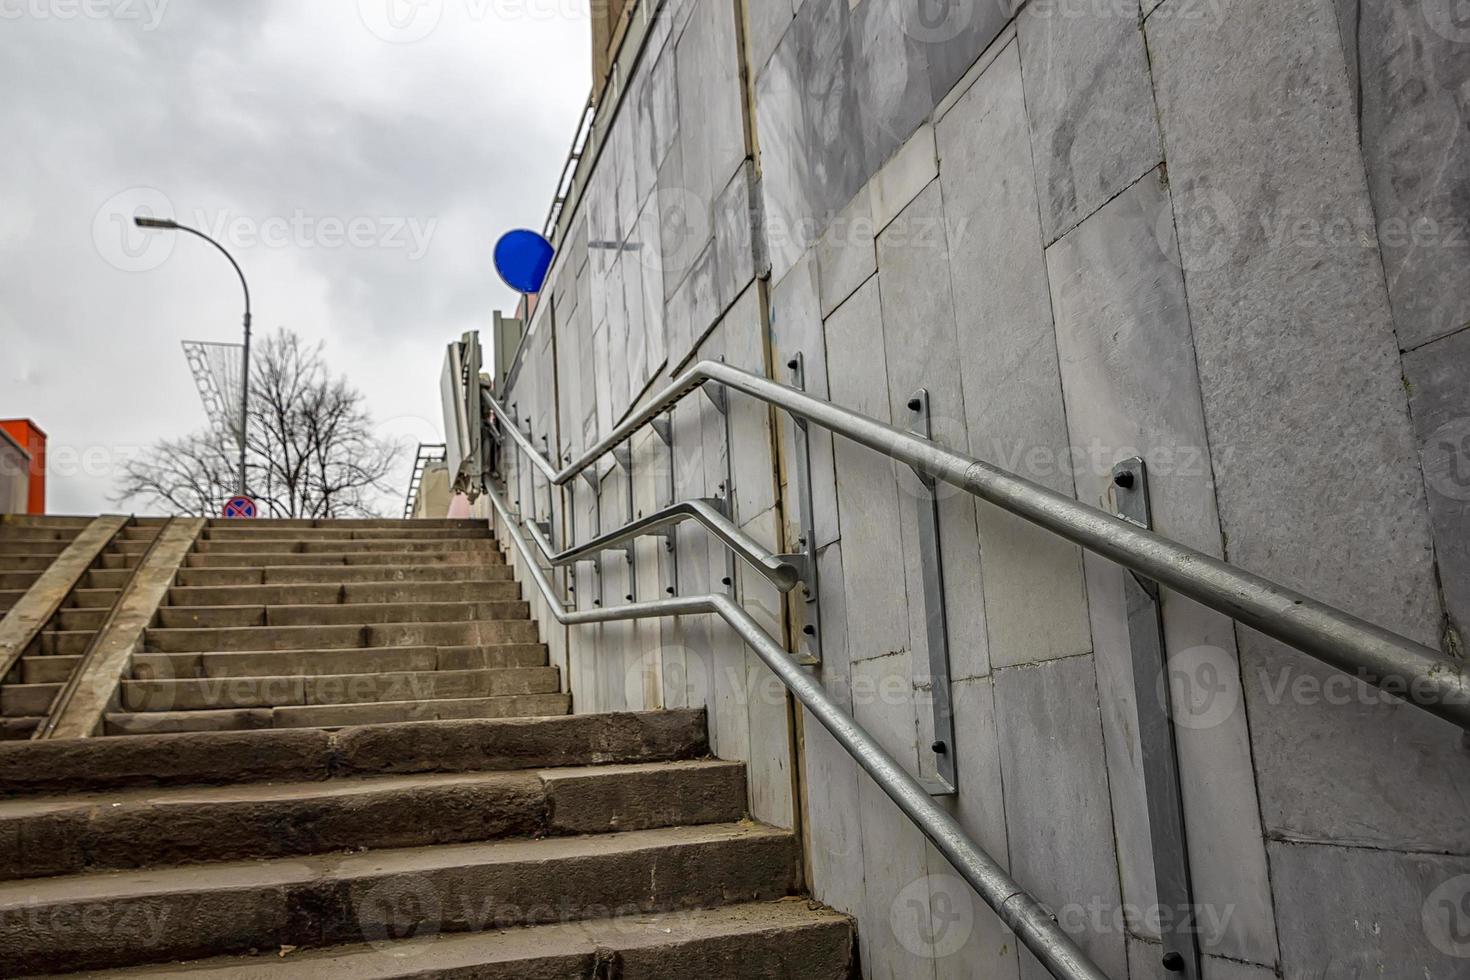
(240, 507)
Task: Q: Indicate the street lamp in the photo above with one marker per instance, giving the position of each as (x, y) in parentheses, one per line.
(168, 224)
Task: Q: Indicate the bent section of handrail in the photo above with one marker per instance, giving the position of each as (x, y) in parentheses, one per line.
(1036, 928)
(1402, 667)
(783, 574)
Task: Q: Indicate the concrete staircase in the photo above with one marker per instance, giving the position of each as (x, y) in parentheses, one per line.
(282, 624)
(27, 546)
(309, 827)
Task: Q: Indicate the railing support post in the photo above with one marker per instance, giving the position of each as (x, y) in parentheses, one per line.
(936, 616)
(808, 625)
(1152, 700)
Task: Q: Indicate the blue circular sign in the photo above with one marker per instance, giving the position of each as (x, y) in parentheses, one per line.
(523, 258)
(240, 507)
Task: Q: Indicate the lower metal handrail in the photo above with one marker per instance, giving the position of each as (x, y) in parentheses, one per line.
(1023, 914)
(1402, 667)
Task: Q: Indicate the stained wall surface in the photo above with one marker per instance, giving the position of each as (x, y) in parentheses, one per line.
(1226, 235)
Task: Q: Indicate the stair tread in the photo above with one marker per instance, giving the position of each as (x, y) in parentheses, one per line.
(787, 920)
(96, 886)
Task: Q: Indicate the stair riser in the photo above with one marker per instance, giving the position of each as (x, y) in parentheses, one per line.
(285, 663)
(343, 574)
(268, 559)
(18, 579)
(8, 533)
(271, 692)
(336, 715)
(357, 592)
(328, 534)
(90, 837)
(325, 637)
(43, 547)
(81, 765)
(368, 906)
(184, 617)
(351, 523)
(386, 546)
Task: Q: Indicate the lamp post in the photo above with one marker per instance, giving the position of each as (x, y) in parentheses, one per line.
(168, 224)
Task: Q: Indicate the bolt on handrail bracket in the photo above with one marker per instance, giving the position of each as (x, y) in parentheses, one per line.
(1033, 925)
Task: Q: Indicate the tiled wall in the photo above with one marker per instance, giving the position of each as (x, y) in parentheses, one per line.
(1226, 235)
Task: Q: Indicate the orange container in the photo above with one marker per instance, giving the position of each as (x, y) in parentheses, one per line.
(30, 437)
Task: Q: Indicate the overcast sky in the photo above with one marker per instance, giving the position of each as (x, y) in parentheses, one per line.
(359, 157)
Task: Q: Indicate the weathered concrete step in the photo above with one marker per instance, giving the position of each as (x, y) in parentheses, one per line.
(134, 532)
(21, 580)
(348, 660)
(347, 534)
(325, 593)
(27, 700)
(95, 764)
(9, 597)
(335, 614)
(262, 559)
(44, 546)
(25, 563)
(336, 715)
(92, 598)
(385, 546)
(204, 640)
(351, 523)
(118, 559)
(328, 899)
(18, 729)
(211, 693)
(785, 939)
(44, 520)
(157, 827)
(105, 578)
(21, 532)
(342, 574)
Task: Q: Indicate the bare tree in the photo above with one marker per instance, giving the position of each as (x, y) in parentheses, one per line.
(310, 451)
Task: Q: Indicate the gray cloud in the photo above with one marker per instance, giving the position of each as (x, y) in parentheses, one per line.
(360, 184)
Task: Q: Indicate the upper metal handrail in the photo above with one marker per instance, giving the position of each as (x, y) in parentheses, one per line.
(1400, 666)
(1025, 916)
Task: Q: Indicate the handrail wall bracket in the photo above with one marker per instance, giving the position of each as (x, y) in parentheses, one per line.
(1152, 701)
(807, 627)
(936, 616)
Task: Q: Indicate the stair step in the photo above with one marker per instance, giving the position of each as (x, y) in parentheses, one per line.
(326, 593)
(385, 546)
(92, 598)
(27, 700)
(25, 563)
(45, 546)
(111, 579)
(183, 617)
(21, 580)
(18, 729)
(351, 523)
(786, 939)
(336, 715)
(329, 899)
(342, 574)
(224, 639)
(82, 765)
(203, 694)
(156, 827)
(9, 532)
(348, 534)
(75, 524)
(269, 558)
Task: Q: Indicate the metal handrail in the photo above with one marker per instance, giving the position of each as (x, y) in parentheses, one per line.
(781, 571)
(1402, 667)
(1022, 913)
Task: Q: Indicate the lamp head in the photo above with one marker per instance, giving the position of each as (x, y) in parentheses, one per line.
(167, 223)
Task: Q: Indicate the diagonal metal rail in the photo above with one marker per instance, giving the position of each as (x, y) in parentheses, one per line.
(1025, 916)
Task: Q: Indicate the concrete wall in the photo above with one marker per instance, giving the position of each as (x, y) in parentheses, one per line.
(1226, 235)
